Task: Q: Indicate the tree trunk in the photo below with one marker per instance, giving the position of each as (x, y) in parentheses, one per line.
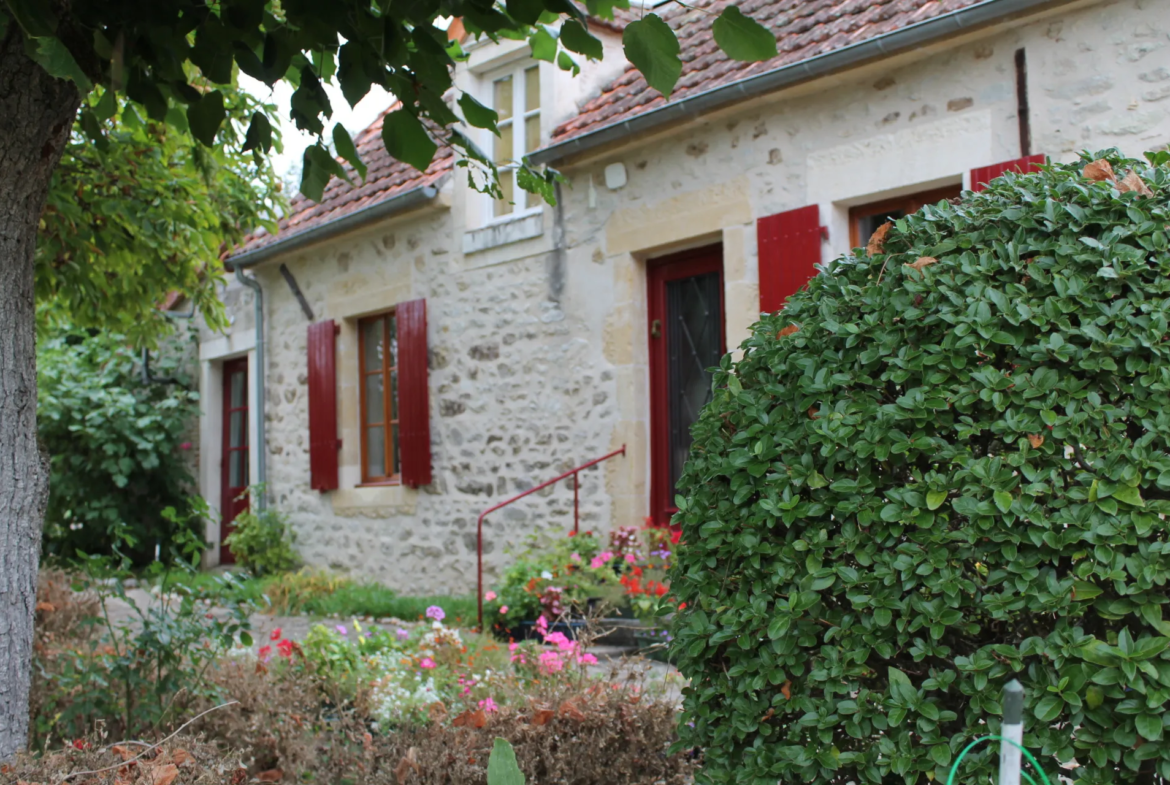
(36, 116)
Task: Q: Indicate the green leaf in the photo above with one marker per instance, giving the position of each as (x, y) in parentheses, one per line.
(344, 146)
(567, 63)
(205, 117)
(259, 135)
(502, 766)
(653, 48)
(324, 166)
(245, 638)
(543, 44)
(1049, 708)
(577, 39)
(313, 178)
(1129, 495)
(407, 140)
(479, 115)
(1094, 697)
(36, 17)
(57, 60)
(1003, 500)
(107, 105)
(743, 38)
(1148, 726)
(935, 499)
(900, 687)
(525, 11)
(1085, 591)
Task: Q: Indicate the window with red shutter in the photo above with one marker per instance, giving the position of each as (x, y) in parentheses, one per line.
(323, 441)
(789, 245)
(413, 397)
(983, 175)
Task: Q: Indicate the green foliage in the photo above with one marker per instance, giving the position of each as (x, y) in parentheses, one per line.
(262, 540)
(116, 447)
(166, 60)
(953, 473)
(564, 564)
(146, 211)
(743, 38)
(134, 672)
(502, 766)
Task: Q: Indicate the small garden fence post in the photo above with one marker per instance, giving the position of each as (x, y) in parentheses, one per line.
(1012, 731)
(576, 516)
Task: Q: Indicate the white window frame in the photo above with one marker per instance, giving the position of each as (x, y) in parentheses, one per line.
(524, 203)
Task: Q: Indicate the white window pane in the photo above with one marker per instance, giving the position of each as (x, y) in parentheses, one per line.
(504, 206)
(502, 99)
(532, 89)
(375, 452)
(503, 145)
(531, 133)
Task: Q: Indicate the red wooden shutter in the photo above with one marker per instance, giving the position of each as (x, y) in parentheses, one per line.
(789, 245)
(323, 441)
(414, 410)
(985, 174)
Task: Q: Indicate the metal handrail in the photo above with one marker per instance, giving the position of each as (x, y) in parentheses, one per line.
(576, 517)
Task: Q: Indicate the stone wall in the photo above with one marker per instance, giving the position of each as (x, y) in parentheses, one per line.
(538, 353)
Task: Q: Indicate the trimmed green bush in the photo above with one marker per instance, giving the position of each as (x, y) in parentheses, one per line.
(942, 466)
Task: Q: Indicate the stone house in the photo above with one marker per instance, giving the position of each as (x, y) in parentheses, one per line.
(428, 352)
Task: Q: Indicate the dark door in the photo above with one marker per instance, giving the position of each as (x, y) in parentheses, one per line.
(235, 450)
(686, 339)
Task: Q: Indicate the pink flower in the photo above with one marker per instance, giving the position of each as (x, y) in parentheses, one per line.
(600, 559)
(503, 609)
(436, 613)
(551, 662)
(341, 629)
(542, 625)
(488, 705)
(185, 446)
(426, 663)
(275, 634)
(402, 634)
(574, 557)
(630, 558)
(587, 659)
(491, 595)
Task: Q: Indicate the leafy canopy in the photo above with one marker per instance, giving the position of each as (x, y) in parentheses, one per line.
(178, 60)
(144, 212)
(942, 466)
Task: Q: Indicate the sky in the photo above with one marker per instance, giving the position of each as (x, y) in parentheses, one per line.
(355, 119)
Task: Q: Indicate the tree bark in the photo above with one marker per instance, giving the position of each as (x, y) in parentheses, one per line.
(36, 116)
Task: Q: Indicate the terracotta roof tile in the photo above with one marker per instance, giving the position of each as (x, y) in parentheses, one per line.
(803, 28)
(385, 179)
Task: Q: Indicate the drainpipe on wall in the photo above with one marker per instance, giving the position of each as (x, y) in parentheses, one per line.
(262, 442)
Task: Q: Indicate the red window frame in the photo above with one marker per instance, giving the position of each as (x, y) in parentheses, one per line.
(699, 261)
(233, 499)
(910, 203)
(392, 473)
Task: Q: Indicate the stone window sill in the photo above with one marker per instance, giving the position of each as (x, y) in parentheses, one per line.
(385, 496)
(522, 227)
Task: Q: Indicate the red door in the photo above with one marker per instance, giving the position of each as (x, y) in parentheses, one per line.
(235, 450)
(686, 339)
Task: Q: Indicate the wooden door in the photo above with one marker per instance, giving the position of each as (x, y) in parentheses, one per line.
(686, 339)
(235, 459)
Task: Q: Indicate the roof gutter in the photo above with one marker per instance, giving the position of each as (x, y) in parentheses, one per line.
(885, 45)
(415, 197)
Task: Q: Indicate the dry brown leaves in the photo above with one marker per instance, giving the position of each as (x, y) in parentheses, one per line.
(1131, 182)
(812, 413)
(1099, 170)
(570, 710)
(436, 711)
(877, 240)
(272, 775)
(409, 762)
(791, 329)
(46, 607)
(922, 261)
(472, 718)
(786, 690)
(1036, 440)
(542, 716)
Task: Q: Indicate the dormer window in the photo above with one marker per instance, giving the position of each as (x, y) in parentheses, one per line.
(516, 98)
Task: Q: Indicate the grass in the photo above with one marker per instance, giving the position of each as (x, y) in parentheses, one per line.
(321, 594)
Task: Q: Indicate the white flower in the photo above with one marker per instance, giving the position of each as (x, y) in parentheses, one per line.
(546, 575)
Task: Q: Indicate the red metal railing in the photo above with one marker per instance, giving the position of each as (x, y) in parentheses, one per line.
(576, 516)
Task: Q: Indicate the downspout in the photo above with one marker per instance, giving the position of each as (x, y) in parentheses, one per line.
(262, 442)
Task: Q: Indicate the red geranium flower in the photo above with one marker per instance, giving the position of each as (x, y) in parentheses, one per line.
(285, 647)
(275, 634)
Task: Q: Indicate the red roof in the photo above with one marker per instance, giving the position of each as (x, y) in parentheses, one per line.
(385, 179)
(803, 28)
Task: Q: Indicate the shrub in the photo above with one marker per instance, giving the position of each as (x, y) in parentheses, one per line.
(262, 541)
(943, 465)
(116, 447)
